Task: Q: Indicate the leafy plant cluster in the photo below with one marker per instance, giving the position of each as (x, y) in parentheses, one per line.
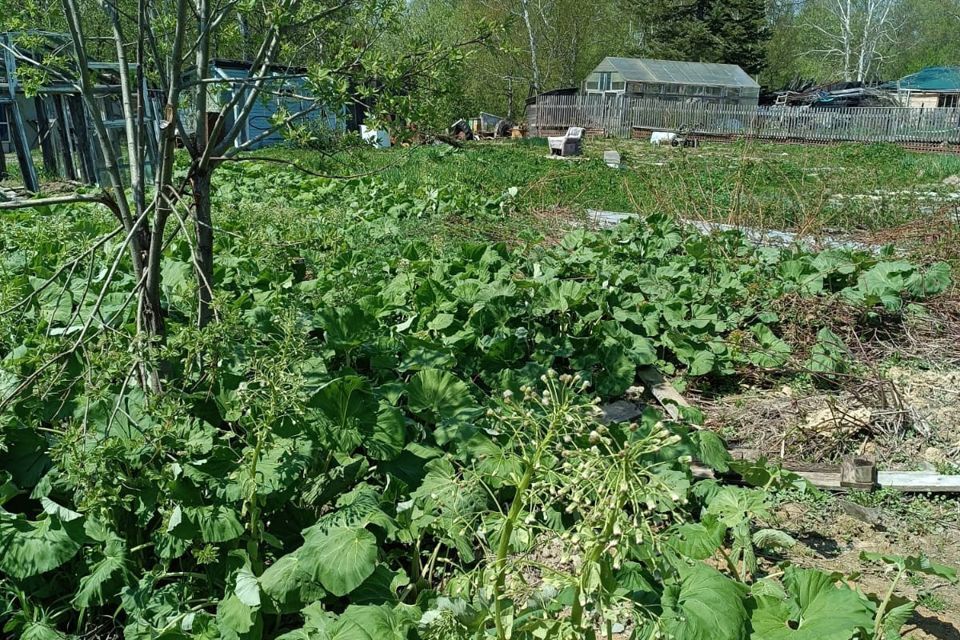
(381, 430)
(846, 188)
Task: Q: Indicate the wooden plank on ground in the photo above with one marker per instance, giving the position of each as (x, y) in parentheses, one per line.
(663, 391)
(829, 476)
(918, 481)
(858, 472)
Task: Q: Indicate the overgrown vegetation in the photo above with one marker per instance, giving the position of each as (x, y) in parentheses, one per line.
(839, 189)
(391, 428)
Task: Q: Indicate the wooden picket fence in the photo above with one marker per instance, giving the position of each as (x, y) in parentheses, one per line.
(623, 117)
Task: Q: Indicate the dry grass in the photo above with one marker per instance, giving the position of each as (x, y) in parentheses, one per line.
(899, 400)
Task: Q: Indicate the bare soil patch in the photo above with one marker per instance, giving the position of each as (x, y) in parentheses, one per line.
(832, 541)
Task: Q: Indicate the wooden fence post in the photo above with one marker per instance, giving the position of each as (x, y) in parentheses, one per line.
(858, 473)
(82, 137)
(16, 125)
(63, 131)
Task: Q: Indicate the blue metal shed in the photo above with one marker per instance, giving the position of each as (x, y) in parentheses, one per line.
(286, 90)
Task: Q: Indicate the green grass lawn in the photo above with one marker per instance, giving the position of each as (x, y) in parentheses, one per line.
(866, 191)
(783, 186)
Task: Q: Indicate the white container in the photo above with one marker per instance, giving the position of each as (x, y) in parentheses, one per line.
(612, 159)
(376, 137)
(662, 137)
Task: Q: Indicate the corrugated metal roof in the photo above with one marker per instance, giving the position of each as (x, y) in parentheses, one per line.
(945, 79)
(676, 72)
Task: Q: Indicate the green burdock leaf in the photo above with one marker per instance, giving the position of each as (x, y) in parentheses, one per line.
(439, 397)
(441, 321)
(217, 523)
(711, 450)
(895, 618)
(281, 579)
(7, 488)
(829, 354)
(702, 363)
(61, 512)
(355, 510)
(373, 623)
(380, 588)
(560, 296)
(704, 605)
(773, 351)
(235, 619)
(814, 609)
(41, 631)
(346, 327)
(350, 407)
(734, 506)
(24, 456)
(356, 623)
(56, 308)
(915, 564)
(340, 559)
(247, 587)
(288, 586)
(885, 282)
(698, 540)
(933, 280)
(29, 548)
(389, 435)
(696, 355)
(94, 585)
(772, 539)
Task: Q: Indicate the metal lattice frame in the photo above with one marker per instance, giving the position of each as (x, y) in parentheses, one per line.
(63, 124)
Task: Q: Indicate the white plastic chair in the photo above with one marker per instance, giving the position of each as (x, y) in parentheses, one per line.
(568, 144)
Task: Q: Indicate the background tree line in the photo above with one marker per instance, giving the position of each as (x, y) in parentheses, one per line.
(539, 45)
(548, 44)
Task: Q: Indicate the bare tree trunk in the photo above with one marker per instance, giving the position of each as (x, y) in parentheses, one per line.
(204, 246)
(535, 67)
(846, 36)
(200, 181)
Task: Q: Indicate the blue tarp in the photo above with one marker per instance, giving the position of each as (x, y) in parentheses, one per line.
(936, 79)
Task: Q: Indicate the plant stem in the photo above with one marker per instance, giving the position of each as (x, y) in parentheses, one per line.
(181, 574)
(252, 500)
(878, 622)
(504, 545)
(431, 563)
(730, 565)
(576, 613)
